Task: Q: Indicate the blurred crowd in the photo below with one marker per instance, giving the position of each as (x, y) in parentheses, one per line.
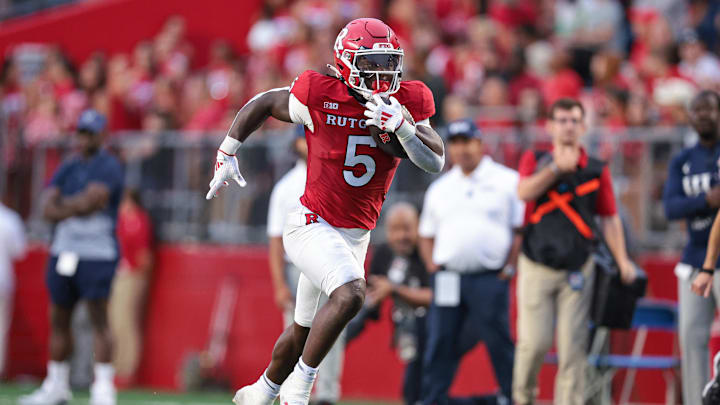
(632, 62)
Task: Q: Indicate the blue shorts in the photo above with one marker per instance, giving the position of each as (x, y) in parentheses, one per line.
(92, 281)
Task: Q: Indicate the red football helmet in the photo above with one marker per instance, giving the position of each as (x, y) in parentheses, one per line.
(368, 57)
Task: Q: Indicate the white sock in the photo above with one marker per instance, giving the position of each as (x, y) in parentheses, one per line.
(59, 373)
(269, 387)
(306, 372)
(104, 373)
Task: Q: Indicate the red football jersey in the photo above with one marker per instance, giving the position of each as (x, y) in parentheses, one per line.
(348, 176)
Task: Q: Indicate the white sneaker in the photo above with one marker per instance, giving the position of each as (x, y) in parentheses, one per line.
(252, 395)
(295, 390)
(103, 394)
(47, 394)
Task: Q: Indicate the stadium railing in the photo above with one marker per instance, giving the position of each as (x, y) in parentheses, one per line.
(172, 171)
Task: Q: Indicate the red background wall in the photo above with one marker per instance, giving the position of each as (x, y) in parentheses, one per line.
(117, 25)
(187, 280)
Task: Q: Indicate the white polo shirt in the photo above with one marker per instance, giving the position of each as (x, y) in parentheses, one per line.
(472, 217)
(285, 197)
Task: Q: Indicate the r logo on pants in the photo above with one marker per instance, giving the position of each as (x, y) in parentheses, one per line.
(311, 219)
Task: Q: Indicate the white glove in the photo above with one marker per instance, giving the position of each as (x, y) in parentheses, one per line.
(226, 168)
(388, 118)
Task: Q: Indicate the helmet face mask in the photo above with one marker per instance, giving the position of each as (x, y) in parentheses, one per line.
(368, 57)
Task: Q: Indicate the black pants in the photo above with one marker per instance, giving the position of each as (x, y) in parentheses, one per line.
(412, 383)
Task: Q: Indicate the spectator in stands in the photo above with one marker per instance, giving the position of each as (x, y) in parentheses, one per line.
(171, 53)
(12, 248)
(43, 123)
(397, 271)
(82, 201)
(130, 286)
(563, 81)
(697, 63)
(92, 81)
(692, 193)
(703, 17)
(555, 267)
(587, 26)
(468, 242)
(284, 198)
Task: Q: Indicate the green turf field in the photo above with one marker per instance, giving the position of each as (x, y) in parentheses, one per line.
(10, 392)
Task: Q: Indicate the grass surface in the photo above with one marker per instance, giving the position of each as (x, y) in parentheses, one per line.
(9, 394)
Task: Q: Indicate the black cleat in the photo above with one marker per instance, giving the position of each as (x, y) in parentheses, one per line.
(711, 393)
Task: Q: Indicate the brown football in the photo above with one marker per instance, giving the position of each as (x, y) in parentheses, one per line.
(387, 141)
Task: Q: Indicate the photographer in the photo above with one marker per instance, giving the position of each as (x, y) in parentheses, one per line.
(396, 271)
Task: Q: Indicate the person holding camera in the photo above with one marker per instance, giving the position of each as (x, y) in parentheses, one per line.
(555, 268)
(396, 271)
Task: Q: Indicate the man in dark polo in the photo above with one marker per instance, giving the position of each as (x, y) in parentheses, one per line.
(82, 201)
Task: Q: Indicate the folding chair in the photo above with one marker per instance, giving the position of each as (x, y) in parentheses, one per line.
(650, 315)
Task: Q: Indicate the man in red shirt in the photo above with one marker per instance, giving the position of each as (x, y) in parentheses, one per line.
(135, 237)
(564, 189)
(348, 175)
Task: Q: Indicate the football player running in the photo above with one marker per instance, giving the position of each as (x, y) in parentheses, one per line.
(348, 175)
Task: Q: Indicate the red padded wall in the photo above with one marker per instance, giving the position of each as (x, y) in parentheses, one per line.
(186, 282)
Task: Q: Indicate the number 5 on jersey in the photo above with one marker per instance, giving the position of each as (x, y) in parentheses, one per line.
(352, 159)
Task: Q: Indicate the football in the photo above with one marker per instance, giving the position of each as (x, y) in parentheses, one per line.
(387, 141)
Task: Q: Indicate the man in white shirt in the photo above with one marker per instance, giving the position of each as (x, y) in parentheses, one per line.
(469, 242)
(285, 275)
(12, 247)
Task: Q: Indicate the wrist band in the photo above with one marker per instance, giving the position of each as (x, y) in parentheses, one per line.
(708, 271)
(229, 146)
(405, 130)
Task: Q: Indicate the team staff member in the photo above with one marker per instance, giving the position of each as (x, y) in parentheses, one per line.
(82, 201)
(692, 193)
(396, 270)
(285, 275)
(555, 267)
(467, 230)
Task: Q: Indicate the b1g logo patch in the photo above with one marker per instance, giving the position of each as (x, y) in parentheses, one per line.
(385, 137)
(311, 219)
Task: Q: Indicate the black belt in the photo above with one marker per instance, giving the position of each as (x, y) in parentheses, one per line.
(480, 270)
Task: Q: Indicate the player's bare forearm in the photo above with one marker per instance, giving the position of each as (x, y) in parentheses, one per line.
(417, 297)
(532, 187)
(713, 248)
(430, 138)
(272, 103)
